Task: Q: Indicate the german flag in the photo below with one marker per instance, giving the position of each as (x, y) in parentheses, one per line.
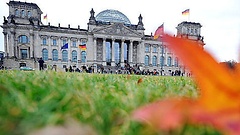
(186, 12)
(159, 32)
(82, 47)
(45, 17)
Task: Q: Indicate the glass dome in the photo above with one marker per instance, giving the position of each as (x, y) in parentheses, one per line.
(112, 16)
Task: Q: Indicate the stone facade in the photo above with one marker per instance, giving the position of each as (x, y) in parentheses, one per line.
(109, 43)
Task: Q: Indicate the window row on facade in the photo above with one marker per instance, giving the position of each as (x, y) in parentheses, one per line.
(55, 41)
(23, 13)
(148, 49)
(161, 61)
(23, 39)
(64, 53)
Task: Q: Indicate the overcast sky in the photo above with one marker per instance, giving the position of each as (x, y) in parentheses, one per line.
(220, 18)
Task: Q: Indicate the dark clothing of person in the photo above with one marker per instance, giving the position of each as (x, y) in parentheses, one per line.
(41, 64)
(70, 69)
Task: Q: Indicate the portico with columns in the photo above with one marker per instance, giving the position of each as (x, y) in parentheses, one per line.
(114, 51)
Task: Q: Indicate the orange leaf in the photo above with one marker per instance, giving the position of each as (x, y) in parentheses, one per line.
(166, 114)
(140, 81)
(215, 80)
(219, 102)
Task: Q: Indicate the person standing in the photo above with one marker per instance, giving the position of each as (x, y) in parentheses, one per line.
(40, 61)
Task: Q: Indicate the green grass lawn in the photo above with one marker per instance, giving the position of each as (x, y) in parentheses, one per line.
(32, 99)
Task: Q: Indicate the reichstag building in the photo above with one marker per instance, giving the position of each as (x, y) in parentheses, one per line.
(111, 41)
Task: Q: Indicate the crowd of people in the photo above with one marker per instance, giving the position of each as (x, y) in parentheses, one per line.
(127, 69)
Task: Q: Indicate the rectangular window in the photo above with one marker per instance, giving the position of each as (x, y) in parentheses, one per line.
(146, 48)
(64, 41)
(74, 43)
(162, 49)
(24, 53)
(83, 42)
(54, 42)
(44, 41)
(154, 49)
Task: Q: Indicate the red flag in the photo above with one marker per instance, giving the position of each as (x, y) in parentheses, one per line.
(159, 32)
(45, 17)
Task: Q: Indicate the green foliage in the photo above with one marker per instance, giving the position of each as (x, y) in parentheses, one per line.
(31, 100)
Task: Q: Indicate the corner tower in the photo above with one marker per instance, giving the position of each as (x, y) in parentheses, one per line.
(24, 13)
(20, 29)
(190, 30)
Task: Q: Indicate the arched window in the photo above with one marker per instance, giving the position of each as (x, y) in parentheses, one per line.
(55, 55)
(23, 39)
(45, 54)
(146, 60)
(83, 56)
(169, 61)
(154, 60)
(176, 62)
(16, 12)
(23, 13)
(162, 60)
(29, 14)
(74, 56)
(64, 56)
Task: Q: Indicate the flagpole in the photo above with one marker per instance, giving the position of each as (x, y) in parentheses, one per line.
(189, 17)
(77, 58)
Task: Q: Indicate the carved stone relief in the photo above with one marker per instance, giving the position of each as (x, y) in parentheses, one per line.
(117, 29)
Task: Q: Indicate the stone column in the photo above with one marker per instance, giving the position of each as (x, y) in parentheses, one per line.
(113, 53)
(158, 55)
(59, 49)
(31, 44)
(36, 45)
(165, 55)
(79, 58)
(11, 44)
(122, 53)
(140, 52)
(95, 55)
(130, 53)
(69, 51)
(95, 50)
(15, 48)
(150, 55)
(104, 52)
(5, 43)
(50, 48)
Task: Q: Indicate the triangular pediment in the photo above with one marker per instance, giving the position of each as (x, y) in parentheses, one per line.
(117, 29)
